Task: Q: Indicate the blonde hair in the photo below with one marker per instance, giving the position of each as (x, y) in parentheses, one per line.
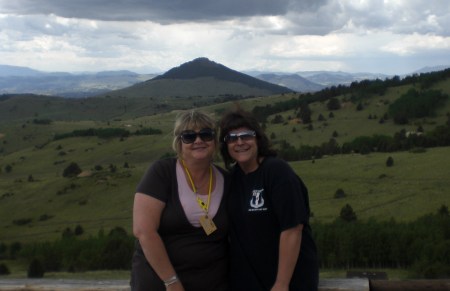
(192, 120)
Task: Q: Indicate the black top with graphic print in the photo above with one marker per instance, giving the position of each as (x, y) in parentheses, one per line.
(261, 205)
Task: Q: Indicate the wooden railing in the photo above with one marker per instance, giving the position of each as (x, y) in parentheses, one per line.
(347, 284)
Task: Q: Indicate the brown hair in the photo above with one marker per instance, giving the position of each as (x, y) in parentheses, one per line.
(240, 118)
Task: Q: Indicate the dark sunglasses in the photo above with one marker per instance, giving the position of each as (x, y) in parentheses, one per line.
(205, 134)
(243, 135)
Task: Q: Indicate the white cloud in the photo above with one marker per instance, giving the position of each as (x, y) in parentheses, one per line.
(368, 35)
(415, 44)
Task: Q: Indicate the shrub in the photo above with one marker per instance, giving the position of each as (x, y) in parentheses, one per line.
(347, 213)
(67, 233)
(22, 221)
(14, 249)
(42, 121)
(36, 269)
(339, 193)
(79, 230)
(443, 210)
(45, 217)
(389, 161)
(112, 168)
(148, 131)
(71, 170)
(334, 104)
(3, 250)
(4, 270)
(8, 168)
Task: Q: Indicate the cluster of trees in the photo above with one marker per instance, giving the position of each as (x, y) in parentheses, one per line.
(73, 170)
(415, 104)
(357, 91)
(111, 251)
(44, 121)
(422, 246)
(107, 132)
(400, 141)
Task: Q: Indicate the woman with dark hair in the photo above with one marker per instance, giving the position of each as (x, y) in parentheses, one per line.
(271, 241)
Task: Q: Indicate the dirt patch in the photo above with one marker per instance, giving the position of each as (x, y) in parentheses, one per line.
(346, 104)
(85, 174)
(2, 135)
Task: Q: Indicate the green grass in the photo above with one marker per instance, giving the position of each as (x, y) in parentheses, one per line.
(350, 123)
(417, 184)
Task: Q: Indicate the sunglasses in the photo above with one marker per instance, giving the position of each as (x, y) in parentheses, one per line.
(243, 135)
(205, 134)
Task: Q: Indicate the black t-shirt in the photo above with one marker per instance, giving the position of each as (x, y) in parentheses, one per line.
(261, 205)
(201, 261)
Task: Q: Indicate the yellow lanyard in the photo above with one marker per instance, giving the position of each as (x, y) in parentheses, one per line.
(200, 202)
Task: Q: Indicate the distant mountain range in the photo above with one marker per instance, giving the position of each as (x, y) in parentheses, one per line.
(292, 81)
(199, 77)
(22, 80)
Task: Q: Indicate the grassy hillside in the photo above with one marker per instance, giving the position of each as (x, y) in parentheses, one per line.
(417, 184)
(37, 203)
(349, 123)
(210, 87)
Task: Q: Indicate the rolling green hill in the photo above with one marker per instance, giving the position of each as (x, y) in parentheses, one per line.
(200, 77)
(38, 203)
(194, 84)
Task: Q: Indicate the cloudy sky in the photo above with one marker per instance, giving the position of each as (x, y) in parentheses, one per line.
(148, 36)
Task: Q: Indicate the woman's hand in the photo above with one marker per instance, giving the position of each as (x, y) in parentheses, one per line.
(280, 287)
(177, 286)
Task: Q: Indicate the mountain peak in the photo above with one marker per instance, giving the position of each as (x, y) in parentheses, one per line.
(197, 68)
(204, 68)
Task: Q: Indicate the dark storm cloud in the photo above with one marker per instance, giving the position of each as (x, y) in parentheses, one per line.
(317, 17)
(163, 11)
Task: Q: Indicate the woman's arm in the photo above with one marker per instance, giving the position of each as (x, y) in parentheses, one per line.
(290, 241)
(146, 218)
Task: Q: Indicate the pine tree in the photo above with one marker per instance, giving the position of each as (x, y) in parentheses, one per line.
(347, 213)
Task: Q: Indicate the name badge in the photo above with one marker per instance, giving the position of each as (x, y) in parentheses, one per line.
(207, 224)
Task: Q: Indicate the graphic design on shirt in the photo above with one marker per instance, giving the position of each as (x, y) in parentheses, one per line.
(257, 201)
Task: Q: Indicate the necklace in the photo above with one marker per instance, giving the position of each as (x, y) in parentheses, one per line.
(200, 202)
(207, 223)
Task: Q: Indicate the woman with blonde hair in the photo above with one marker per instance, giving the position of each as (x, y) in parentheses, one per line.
(179, 215)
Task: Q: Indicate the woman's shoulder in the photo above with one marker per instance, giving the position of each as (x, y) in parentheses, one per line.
(274, 163)
(276, 168)
(165, 165)
(221, 170)
(165, 162)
